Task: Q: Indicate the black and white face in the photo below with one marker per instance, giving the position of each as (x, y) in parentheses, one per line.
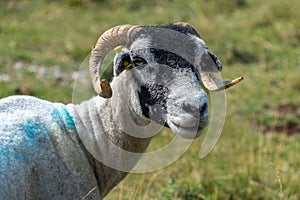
(169, 89)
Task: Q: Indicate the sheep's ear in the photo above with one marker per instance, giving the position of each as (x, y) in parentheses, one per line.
(122, 62)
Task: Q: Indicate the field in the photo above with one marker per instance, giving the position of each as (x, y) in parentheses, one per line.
(43, 42)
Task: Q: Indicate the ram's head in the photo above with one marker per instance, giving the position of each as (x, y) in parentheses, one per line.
(171, 64)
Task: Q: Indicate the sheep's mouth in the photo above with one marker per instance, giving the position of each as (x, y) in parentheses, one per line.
(187, 129)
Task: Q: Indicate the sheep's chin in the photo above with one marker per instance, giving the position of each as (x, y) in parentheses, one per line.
(186, 132)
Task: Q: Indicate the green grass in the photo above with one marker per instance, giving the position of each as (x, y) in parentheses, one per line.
(257, 39)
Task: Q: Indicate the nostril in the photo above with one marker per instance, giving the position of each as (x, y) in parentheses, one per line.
(203, 108)
(195, 110)
(189, 108)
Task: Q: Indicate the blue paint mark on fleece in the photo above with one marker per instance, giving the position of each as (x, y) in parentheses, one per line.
(22, 142)
(63, 117)
(33, 135)
(32, 128)
(36, 132)
(3, 154)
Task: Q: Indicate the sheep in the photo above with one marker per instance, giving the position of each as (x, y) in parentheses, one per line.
(56, 151)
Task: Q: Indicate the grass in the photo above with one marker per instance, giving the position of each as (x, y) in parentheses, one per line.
(257, 39)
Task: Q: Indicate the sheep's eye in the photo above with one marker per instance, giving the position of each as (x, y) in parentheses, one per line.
(138, 61)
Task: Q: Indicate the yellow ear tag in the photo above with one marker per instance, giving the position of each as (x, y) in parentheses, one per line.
(118, 49)
(127, 65)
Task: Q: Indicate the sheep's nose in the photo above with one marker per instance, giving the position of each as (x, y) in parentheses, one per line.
(197, 110)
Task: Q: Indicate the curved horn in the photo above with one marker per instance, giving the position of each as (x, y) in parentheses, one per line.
(116, 36)
(214, 83)
(210, 66)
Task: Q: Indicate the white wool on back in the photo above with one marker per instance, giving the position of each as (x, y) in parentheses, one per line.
(41, 155)
(45, 148)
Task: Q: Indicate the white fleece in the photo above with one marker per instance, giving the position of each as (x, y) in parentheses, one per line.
(52, 151)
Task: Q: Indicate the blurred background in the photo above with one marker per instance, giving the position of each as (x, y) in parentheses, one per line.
(43, 43)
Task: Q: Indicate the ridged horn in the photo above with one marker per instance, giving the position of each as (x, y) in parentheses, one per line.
(210, 66)
(116, 36)
(214, 83)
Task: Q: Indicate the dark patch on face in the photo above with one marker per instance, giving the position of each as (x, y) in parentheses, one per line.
(173, 60)
(168, 58)
(153, 96)
(153, 100)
